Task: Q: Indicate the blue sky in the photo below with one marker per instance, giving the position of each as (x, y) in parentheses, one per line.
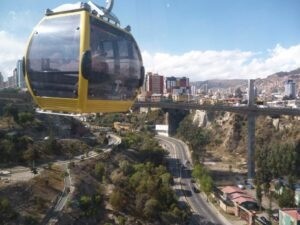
(202, 39)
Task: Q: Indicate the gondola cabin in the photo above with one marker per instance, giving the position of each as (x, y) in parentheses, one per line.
(79, 60)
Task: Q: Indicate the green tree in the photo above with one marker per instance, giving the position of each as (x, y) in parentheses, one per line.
(52, 146)
(196, 136)
(31, 153)
(286, 199)
(263, 172)
(259, 195)
(30, 220)
(140, 200)
(206, 183)
(99, 170)
(198, 171)
(6, 211)
(85, 202)
(151, 209)
(25, 117)
(118, 200)
(11, 110)
(126, 167)
(121, 220)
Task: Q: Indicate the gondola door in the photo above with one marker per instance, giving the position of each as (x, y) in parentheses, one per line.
(115, 68)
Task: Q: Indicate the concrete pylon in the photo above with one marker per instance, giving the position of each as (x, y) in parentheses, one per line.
(251, 132)
(251, 93)
(251, 147)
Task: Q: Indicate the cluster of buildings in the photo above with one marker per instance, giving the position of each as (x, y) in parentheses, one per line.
(288, 98)
(16, 80)
(159, 88)
(233, 200)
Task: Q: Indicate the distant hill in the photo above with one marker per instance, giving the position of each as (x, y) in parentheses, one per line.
(221, 84)
(292, 74)
(272, 83)
(275, 82)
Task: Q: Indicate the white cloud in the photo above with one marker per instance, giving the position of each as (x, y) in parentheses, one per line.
(12, 49)
(197, 65)
(204, 65)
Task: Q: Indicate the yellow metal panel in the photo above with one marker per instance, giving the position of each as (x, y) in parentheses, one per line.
(58, 104)
(108, 106)
(84, 46)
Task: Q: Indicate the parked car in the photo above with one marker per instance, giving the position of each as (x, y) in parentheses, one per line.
(250, 186)
(265, 220)
(241, 186)
(275, 217)
(195, 189)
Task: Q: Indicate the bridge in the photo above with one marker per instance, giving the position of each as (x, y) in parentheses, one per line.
(251, 110)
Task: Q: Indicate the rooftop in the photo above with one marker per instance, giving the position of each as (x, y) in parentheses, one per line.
(236, 195)
(231, 189)
(293, 213)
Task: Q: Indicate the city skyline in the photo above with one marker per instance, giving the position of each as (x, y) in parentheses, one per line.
(201, 40)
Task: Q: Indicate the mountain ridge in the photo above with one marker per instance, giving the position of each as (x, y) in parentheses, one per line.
(272, 83)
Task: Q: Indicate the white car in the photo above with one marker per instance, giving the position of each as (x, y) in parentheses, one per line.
(241, 186)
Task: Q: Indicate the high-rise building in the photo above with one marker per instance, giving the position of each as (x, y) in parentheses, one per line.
(290, 89)
(20, 75)
(1, 80)
(12, 80)
(181, 84)
(155, 83)
(193, 90)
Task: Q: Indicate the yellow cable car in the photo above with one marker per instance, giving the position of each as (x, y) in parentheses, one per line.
(79, 60)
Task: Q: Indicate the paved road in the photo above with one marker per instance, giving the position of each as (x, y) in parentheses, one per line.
(180, 167)
(53, 216)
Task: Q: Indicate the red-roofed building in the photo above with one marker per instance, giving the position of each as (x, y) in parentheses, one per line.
(239, 197)
(231, 189)
(289, 217)
(234, 200)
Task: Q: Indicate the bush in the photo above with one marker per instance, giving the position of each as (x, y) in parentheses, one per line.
(99, 170)
(25, 117)
(118, 200)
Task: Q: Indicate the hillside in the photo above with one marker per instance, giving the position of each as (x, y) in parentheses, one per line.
(221, 84)
(129, 185)
(270, 84)
(228, 139)
(27, 202)
(275, 82)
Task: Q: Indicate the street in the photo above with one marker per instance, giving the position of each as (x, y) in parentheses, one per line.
(179, 165)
